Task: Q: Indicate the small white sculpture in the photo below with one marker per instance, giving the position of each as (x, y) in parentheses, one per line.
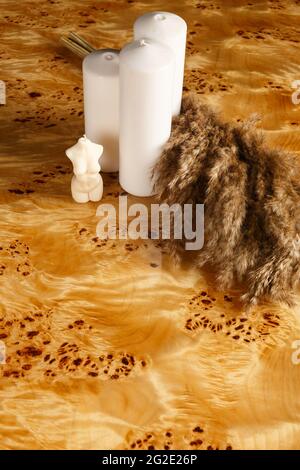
(87, 183)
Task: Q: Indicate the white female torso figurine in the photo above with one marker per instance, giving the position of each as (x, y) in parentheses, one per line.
(86, 184)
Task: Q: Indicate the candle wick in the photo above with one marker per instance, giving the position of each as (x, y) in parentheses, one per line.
(142, 42)
(160, 17)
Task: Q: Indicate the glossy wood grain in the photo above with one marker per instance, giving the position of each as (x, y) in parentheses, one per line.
(108, 344)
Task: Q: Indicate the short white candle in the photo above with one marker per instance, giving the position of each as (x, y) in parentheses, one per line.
(171, 30)
(101, 104)
(146, 77)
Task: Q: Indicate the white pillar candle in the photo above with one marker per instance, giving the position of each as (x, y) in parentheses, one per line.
(101, 104)
(171, 30)
(146, 77)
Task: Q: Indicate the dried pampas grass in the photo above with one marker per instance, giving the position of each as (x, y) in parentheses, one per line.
(251, 196)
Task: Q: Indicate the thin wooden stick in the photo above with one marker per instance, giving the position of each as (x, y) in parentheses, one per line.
(74, 47)
(81, 42)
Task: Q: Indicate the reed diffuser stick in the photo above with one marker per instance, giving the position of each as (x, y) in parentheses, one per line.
(81, 42)
(77, 45)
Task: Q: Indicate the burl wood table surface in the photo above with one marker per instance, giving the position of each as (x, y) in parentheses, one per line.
(108, 345)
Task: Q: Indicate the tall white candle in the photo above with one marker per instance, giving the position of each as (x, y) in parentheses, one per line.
(171, 30)
(146, 78)
(101, 104)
